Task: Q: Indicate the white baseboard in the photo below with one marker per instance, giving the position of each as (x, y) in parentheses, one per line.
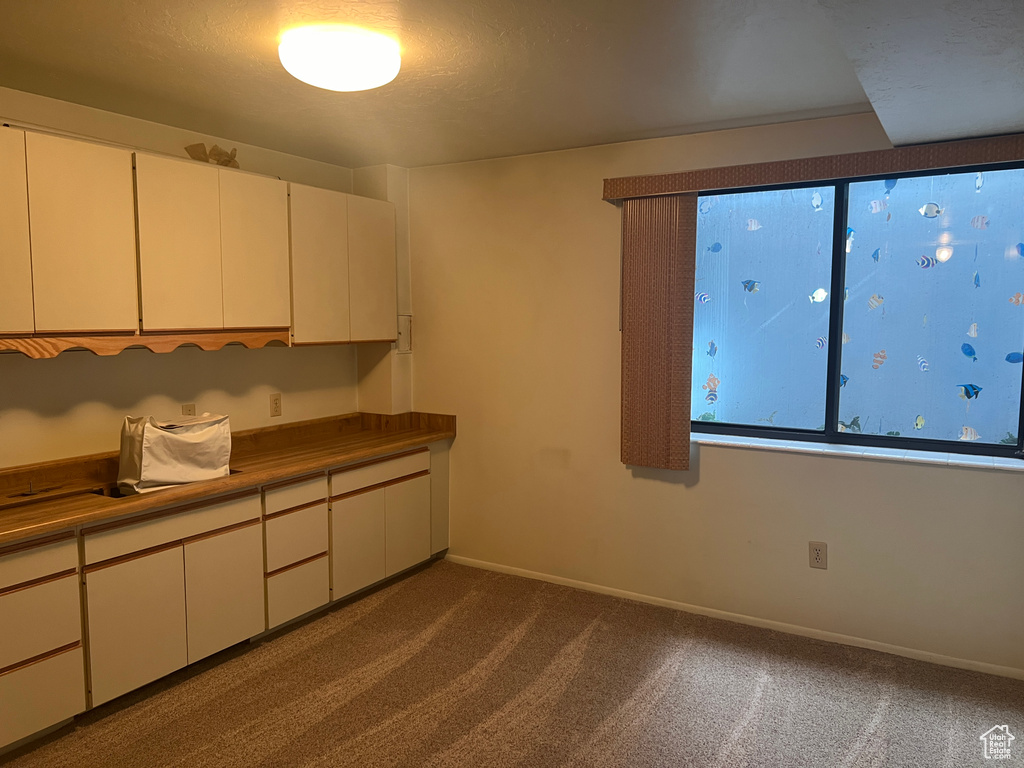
(792, 629)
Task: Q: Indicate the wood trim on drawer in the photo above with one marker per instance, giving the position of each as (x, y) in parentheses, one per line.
(41, 657)
(299, 508)
(304, 561)
(221, 531)
(379, 460)
(130, 556)
(168, 545)
(385, 484)
(144, 518)
(294, 481)
(44, 541)
(36, 582)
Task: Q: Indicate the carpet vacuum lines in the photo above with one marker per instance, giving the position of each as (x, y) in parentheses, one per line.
(425, 716)
(602, 748)
(280, 725)
(503, 738)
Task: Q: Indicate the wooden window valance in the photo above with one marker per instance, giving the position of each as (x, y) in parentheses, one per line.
(882, 162)
(659, 236)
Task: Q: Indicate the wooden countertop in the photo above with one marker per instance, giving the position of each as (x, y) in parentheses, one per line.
(72, 489)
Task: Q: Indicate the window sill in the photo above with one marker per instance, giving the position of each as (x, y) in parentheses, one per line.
(858, 452)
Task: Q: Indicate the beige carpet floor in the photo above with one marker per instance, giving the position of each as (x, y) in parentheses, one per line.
(455, 666)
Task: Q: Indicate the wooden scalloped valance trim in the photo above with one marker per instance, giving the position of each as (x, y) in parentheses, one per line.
(882, 162)
(39, 347)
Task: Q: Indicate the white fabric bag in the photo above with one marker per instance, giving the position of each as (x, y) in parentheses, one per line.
(159, 454)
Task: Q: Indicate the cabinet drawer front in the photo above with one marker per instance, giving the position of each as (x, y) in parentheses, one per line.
(297, 591)
(354, 479)
(295, 494)
(295, 536)
(38, 562)
(44, 617)
(40, 695)
(136, 613)
(357, 542)
(407, 524)
(105, 544)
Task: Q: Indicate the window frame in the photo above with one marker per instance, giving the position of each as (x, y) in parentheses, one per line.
(831, 433)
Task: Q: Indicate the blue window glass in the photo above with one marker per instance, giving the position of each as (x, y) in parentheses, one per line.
(761, 309)
(933, 322)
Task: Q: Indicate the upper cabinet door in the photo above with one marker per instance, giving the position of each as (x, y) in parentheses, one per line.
(320, 281)
(83, 235)
(254, 250)
(179, 244)
(371, 269)
(15, 256)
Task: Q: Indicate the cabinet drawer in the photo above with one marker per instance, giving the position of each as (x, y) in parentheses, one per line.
(295, 536)
(38, 562)
(352, 480)
(44, 617)
(297, 591)
(294, 494)
(40, 695)
(102, 543)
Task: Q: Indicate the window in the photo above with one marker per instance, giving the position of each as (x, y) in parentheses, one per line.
(882, 312)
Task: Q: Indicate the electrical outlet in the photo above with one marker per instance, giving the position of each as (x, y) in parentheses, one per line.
(275, 404)
(188, 409)
(818, 553)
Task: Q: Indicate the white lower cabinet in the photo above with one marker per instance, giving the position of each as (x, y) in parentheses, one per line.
(223, 590)
(406, 524)
(149, 615)
(136, 612)
(47, 616)
(42, 672)
(357, 542)
(296, 535)
(40, 695)
(297, 590)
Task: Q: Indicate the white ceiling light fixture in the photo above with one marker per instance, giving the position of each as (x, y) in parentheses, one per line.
(338, 57)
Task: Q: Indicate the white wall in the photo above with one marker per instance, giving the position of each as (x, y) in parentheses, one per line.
(74, 404)
(515, 268)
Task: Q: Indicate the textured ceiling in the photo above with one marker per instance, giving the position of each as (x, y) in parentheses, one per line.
(480, 78)
(488, 78)
(947, 69)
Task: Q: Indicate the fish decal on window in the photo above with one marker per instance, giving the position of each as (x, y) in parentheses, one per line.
(969, 391)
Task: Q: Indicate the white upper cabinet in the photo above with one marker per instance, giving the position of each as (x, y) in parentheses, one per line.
(83, 235)
(320, 271)
(254, 250)
(179, 244)
(371, 269)
(15, 256)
